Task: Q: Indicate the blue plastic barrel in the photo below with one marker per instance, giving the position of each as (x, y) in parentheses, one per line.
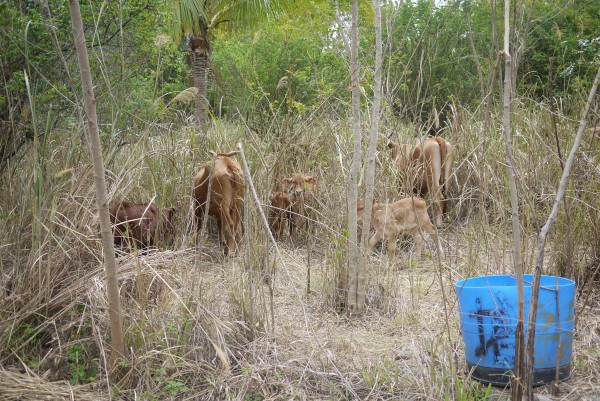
(488, 310)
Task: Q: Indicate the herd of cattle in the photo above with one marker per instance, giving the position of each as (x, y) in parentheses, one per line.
(219, 191)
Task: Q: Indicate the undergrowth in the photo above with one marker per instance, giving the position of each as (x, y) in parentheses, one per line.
(184, 310)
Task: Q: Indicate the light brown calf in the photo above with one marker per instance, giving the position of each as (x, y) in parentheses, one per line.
(405, 216)
(138, 224)
(302, 190)
(428, 167)
(278, 213)
(226, 196)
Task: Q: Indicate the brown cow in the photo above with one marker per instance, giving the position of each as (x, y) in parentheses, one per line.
(138, 224)
(278, 213)
(301, 189)
(389, 220)
(428, 167)
(226, 196)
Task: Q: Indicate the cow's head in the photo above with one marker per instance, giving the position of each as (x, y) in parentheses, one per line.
(360, 208)
(299, 184)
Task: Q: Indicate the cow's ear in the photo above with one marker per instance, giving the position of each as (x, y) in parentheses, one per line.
(310, 179)
(286, 181)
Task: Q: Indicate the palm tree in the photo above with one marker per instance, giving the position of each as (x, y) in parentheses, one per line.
(196, 20)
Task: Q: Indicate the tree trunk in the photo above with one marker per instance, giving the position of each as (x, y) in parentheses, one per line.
(199, 61)
(370, 173)
(354, 263)
(112, 287)
(517, 385)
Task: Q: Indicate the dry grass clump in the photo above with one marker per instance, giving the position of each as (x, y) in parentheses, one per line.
(15, 386)
(266, 324)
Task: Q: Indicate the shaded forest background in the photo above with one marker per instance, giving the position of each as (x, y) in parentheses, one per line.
(435, 57)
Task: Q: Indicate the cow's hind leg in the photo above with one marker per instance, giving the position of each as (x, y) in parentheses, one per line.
(374, 240)
(438, 203)
(281, 223)
(391, 247)
(227, 230)
(418, 240)
(446, 173)
(428, 228)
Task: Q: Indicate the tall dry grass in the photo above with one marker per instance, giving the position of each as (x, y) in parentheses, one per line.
(201, 326)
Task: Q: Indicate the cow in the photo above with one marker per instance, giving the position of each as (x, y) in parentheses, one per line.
(405, 216)
(428, 167)
(226, 196)
(281, 204)
(301, 190)
(138, 224)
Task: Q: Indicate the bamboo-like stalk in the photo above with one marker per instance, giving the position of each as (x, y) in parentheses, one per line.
(249, 272)
(517, 386)
(535, 286)
(371, 152)
(355, 302)
(553, 113)
(112, 286)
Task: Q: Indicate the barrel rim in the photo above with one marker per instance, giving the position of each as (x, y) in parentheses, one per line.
(464, 283)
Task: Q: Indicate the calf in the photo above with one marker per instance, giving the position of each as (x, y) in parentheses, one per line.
(428, 167)
(138, 224)
(301, 190)
(278, 212)
(226, 196)
(405, 216)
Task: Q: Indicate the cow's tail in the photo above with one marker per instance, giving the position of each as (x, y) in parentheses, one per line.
(237, 181)
(443, 159)
(237, 178)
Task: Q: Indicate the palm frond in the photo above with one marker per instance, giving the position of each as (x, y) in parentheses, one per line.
(187, 17)
(190, 16)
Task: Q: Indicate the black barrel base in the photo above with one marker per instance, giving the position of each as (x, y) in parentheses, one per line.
(501, 377)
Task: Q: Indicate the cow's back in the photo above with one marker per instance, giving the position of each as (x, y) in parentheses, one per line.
(236, 178)
(406, 211)
(227, 181)
(138, 220)
(226, 194)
